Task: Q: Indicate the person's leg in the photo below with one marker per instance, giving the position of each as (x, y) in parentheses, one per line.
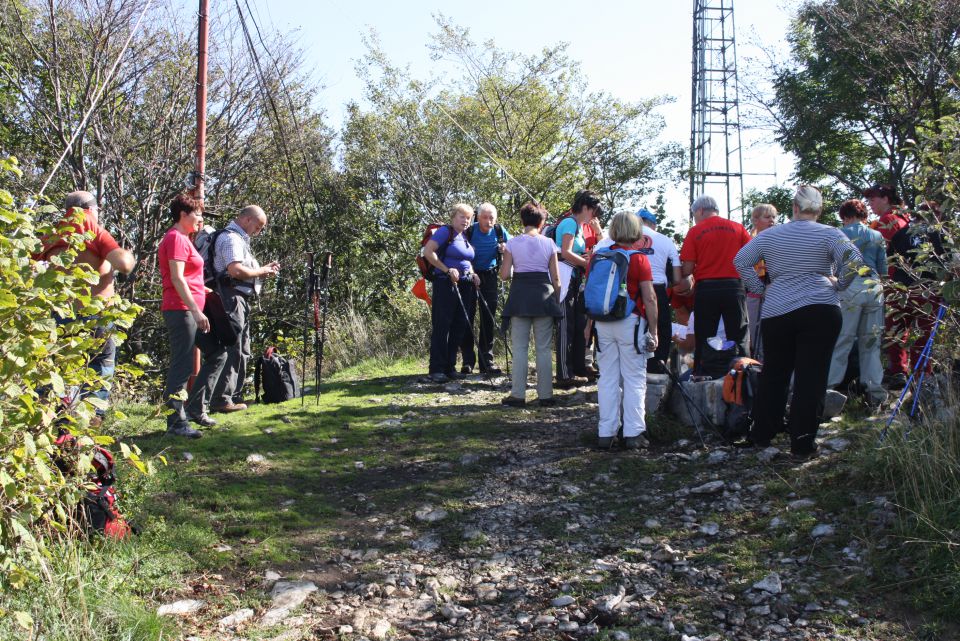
(460, 325)
(543, 335)
(520, 336)
(468, 355)
(441, 317)
(181, 332)
(214, 360)
(707, 311)
(816, 327)
(664, 331)
(104, 364)
(245, 354)
(852, 315)
(734, 314)
(896, 335)
(633, 372)
(608, 385)
(578, 349)
(487, 309)
(770, 401)
(869, 340)
(922, 317)
(229, 381)
(564, 337)
(753, 324)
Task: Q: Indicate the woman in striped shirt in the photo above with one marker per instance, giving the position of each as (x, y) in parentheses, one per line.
(807, 263)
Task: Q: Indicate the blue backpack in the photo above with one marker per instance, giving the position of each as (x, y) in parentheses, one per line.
(605, 292)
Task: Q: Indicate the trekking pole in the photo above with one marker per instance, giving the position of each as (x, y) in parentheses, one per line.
(306, 327)
(493, 323)
(921, 363)
(689, 403)
(320, 317)
(466, 315)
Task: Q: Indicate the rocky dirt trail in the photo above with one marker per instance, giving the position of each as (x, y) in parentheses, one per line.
(556, 540)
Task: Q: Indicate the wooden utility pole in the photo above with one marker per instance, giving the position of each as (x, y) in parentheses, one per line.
(203, 30)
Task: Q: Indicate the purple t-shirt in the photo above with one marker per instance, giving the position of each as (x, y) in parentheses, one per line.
(458, 254)
(531, 253)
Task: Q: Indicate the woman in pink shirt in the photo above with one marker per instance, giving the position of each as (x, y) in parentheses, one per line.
(184, 295)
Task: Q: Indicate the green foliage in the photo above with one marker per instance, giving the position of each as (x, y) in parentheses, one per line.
(864, 77)
(43, 363)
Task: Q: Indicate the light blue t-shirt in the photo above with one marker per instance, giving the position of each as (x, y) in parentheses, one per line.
(571, 226)
(871, 245)
(485, 246)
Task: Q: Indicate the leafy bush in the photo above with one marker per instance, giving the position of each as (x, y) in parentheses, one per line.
(43, 366)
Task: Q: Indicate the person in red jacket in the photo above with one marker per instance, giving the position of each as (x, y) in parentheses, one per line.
(707, 254)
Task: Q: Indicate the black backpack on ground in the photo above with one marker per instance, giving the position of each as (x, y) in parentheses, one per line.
(278, 375)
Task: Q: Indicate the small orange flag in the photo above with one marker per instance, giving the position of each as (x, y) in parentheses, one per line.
(419, 290)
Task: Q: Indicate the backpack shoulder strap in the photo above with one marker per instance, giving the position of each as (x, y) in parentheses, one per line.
(501, 236)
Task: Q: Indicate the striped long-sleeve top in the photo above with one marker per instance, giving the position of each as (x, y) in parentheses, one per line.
(800, 257)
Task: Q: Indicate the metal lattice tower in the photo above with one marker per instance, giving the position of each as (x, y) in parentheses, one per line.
(716, 161)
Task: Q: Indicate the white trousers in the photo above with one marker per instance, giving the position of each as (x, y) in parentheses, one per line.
(623, 377)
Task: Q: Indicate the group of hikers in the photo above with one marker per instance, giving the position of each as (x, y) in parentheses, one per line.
(796, 297)
(205, 302)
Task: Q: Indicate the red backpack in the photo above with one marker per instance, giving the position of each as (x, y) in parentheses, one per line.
(98, 508)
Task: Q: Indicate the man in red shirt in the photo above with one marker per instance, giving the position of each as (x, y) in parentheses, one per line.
(105, 256)
(707, 254)
(905, 312)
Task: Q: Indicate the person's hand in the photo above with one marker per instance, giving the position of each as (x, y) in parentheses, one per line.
(649, 342)
(454, 275)
(203, 323)
(502, 247)
(476, 280)
(270, 270)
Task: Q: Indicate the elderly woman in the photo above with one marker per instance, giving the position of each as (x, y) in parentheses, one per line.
(574, 256)
(807, 263)
(184, 295)
(763, 217)
(624, 346)
(454, 288)
(530, 260)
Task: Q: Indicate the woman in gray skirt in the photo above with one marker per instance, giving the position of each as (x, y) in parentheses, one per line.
(534, 301)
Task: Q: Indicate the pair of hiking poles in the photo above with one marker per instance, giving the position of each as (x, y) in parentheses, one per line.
(493, 323)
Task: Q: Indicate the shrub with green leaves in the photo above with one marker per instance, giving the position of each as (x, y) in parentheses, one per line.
(43, 364)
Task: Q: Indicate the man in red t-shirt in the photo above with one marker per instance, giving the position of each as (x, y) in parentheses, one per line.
(707, 254)
(104, 255)
(904, 312)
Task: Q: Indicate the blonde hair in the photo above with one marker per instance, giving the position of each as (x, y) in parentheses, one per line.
(808, 200)
(625, 228)
(461, 207)
(762, 209)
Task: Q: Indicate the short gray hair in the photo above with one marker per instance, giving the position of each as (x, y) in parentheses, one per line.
(706, 203)
(487, 207)
(808, 200)
(81, 199)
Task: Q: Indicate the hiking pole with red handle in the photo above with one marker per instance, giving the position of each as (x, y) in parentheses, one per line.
(320, 315)
(310, 281)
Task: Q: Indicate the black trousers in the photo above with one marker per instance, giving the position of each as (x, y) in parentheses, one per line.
(571, 345)
(449, 322)
(715, 299)
(664, 330)
(489, 285)
(799, 343)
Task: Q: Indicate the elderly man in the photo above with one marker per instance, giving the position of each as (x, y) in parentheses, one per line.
(219, 384)
(707, 254)
(488, 239)
(105, 256)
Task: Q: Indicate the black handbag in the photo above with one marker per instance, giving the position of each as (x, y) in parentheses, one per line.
(224, 327)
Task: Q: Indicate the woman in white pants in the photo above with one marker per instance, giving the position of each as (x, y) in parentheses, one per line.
(624, 346)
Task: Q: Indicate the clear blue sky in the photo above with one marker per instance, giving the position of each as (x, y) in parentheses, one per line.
(633, 49)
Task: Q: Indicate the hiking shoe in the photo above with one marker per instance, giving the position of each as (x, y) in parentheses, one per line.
(438, 377)
(895, 381)
(203, 420)
(513, 401)
(570, 383)
(455, 376)
(185, 430)
(547, 402)
(466, 369)
(636, 442)
(492, 371)
(805, 455)
(605, 443)
(230, 407)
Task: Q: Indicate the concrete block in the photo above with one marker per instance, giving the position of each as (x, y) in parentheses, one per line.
(707, 395)
(658, 388)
